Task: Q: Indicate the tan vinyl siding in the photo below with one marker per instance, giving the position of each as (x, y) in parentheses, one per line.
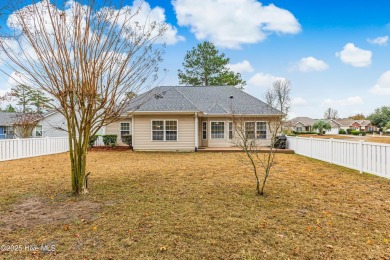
(143, 133)
(115, 129)
(226, 142)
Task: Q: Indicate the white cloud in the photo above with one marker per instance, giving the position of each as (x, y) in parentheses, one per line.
(241, 67)
(230, 23)
(355, 56)
(263, 80)
(382, 87)
(311, 64)
(381, 41)
(350, 101)
(298, 101)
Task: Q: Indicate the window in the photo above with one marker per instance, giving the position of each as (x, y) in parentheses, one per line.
(217, 130)
(204, 130)
(38, 131)
(250, 130)
(170, 130)
(158, 130)
(230, 130)
(125, 129)
(299, 129)
(164, 130)
(261, 130)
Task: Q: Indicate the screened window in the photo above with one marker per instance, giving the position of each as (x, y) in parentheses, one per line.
(250, 130)
(261, 130)
(158, 130)
(164, 130)
(217, 130)
(125, 129)
(204, 130)
(230, 130)
(38, 131)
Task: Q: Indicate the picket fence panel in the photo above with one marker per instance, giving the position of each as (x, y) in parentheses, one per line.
(363, 156)
(11, 149)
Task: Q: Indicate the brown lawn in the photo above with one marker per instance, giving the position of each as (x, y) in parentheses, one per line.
(192, 205)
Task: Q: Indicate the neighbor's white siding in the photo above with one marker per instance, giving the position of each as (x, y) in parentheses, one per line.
(53, 126)
(143, 133)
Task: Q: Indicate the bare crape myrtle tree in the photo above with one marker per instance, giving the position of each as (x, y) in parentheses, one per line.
(257, 139)
(87, 58)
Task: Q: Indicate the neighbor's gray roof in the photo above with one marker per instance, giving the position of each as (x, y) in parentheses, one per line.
(213, 100)
(7, 118)
(307, 121)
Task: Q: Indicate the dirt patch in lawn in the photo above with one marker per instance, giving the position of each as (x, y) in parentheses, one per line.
(35, 211)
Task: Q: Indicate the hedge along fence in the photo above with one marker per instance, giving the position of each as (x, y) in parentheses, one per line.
(363, 156)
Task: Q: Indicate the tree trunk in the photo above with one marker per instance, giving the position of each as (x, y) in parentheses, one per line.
(78, 158)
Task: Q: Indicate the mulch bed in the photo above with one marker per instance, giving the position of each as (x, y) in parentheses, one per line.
(110, 149)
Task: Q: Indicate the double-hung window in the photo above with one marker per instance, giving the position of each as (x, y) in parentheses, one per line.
(125, 129)
(250, 130)
(204, 130)
(261, 130)
(217, 130)
(164, 130)
(230, 130)
(38, 131)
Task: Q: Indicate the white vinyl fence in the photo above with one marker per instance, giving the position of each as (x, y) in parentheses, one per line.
(11, 149)
(367, 157)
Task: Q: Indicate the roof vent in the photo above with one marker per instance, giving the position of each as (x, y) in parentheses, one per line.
(231, 97)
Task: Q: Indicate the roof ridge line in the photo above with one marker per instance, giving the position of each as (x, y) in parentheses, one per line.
(184, 96)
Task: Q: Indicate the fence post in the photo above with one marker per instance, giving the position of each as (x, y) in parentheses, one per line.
(360, 155)
(331, 150)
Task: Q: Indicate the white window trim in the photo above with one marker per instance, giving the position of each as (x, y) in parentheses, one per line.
(35, 130)
(164, 131)
(266, 130)
(203, 123)
(224, 130)
(228, 130)
(120, 127)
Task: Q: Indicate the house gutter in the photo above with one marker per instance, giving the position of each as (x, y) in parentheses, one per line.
(196, 132)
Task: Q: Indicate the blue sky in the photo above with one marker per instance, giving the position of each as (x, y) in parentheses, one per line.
(335, 53)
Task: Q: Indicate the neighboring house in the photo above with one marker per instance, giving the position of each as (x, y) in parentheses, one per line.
(300, 124)
(51, 124)
(303, 124)
(186, 118)
(6, 122)
(361, 125)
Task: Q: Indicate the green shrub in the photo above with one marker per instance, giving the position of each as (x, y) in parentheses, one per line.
(307, 133)
(355, 132)
(342, 132)
(127, 139)
(363, 133)
(110, 140)
(349, 131)
(92, 140)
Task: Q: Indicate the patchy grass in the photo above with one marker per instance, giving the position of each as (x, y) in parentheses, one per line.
(193, 205)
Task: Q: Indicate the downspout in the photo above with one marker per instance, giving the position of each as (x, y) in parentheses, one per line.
(196, 133)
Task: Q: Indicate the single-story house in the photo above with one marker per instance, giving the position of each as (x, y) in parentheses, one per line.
(6, 122)
(300, 124)
(185, 118)
(303, 124)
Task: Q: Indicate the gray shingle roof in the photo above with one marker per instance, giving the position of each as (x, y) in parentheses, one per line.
(215, 100)
(7, 118)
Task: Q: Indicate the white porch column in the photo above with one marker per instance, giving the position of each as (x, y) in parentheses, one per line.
(196, 132)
